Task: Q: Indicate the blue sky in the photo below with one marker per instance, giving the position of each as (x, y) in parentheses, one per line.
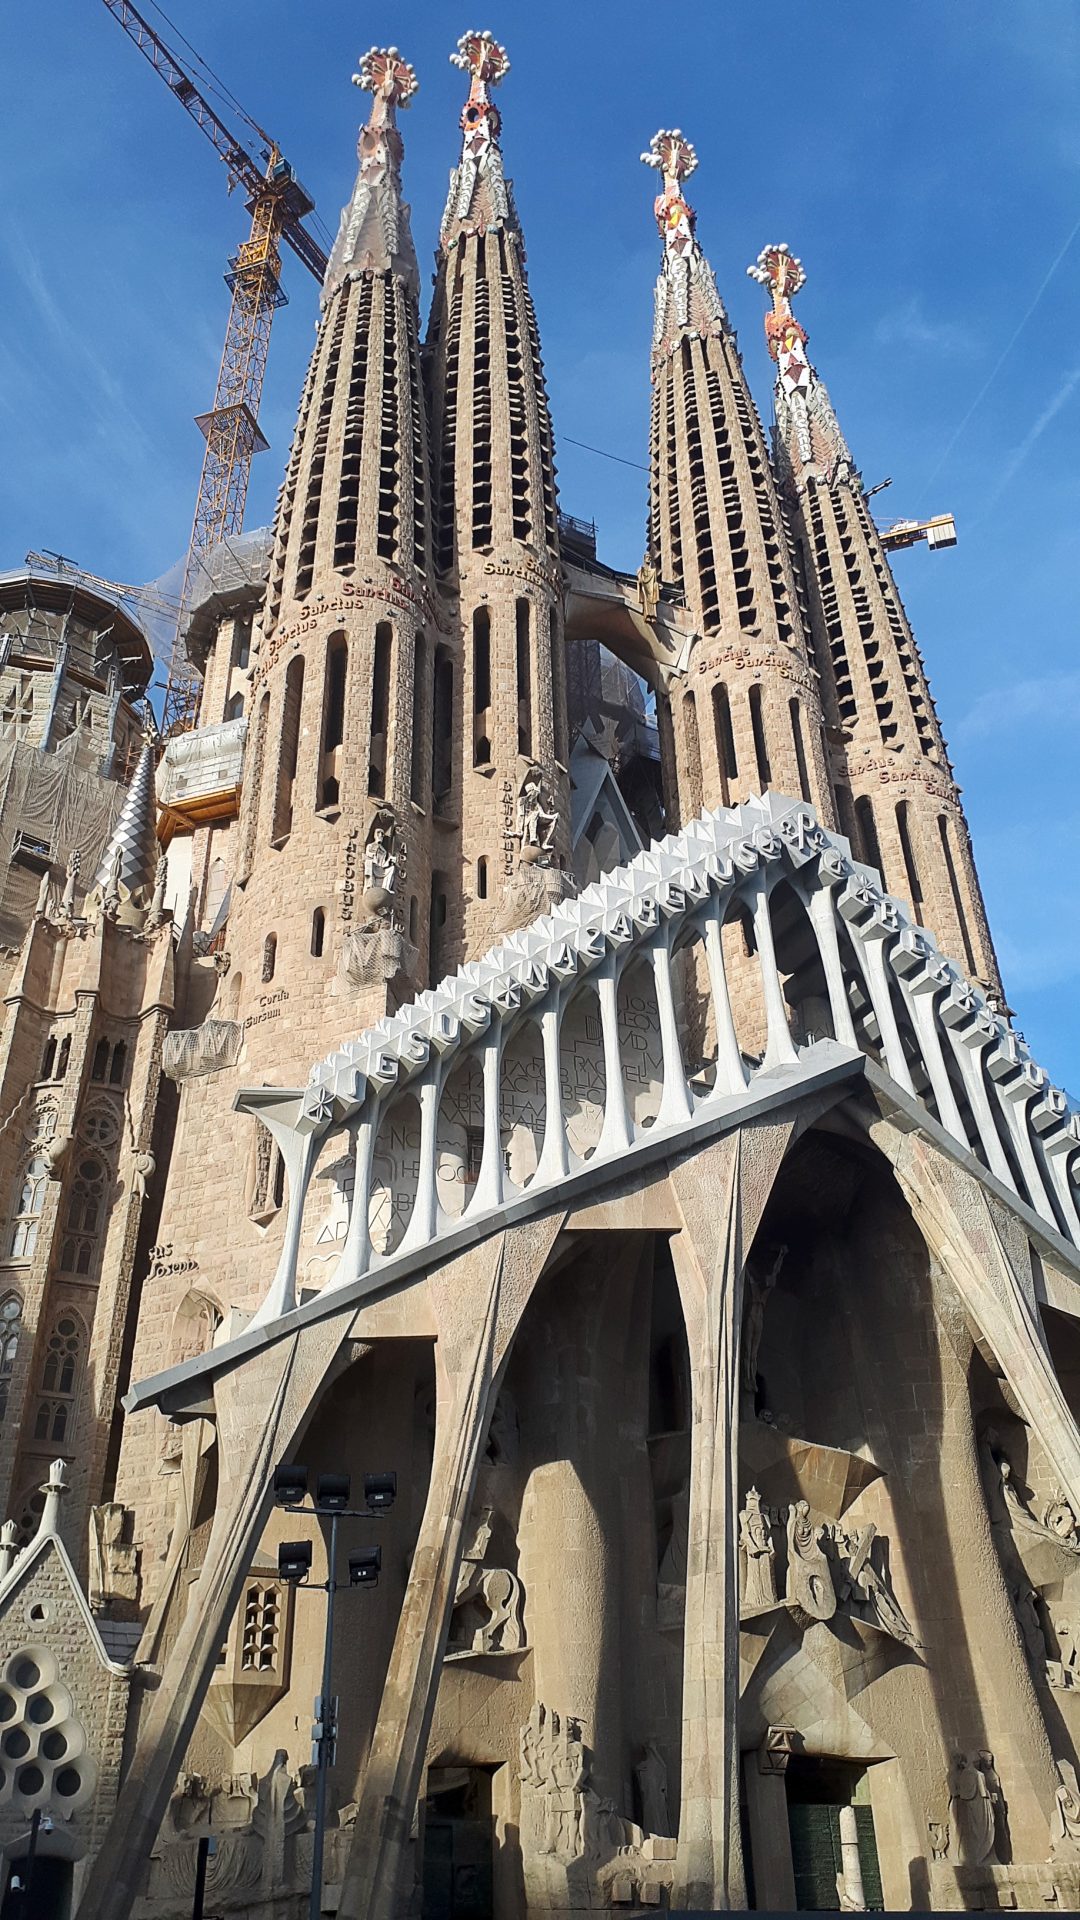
(924, 161)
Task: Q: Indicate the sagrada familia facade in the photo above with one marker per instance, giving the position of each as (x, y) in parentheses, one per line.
(538, 1036)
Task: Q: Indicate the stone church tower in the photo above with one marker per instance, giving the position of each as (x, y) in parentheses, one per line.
(599, 1113)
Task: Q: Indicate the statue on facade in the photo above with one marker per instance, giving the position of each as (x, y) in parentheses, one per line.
(973, 1809)
(759, 1285)
(648, 584)
(650, 1772)
(486, 1615)
(382, 862)
(1065, 1822)
(537, 815)
(809, 1576)
(67, 904)
(869, 1585)
(759, 1555)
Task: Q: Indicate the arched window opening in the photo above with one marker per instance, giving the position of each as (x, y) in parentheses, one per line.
(29, 1205)
(868, 840)
(442, 734)
(234, 707)
(63, 1056)
(694, 797)
(241, 653)
(10, 1329)
(419, 709)
(269, 956)
(761, 750)
(380, 708)
(118, 1064)
(60, 1379)
(800, 750)
(318, 933)
(725, 742)
(279, 1183)
(100, 1065)
(337, 667)
(253, 777)
(413, 914)
(911, 868)
(85, 1216)
(481, 679)
(289, 750)
(49, 1059)
(523, 613)
(482, 878)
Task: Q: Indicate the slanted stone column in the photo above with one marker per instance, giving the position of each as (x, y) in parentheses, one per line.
(477, 1300)
(722, 1193)
(260, 1409)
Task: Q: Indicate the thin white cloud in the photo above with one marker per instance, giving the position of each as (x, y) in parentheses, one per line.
(1046, 701)
(908, 326)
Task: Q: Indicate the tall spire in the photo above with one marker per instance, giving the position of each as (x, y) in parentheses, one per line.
(686, 295)
(374, 235)
(896, 798)
(479, 198)
(748, 716)
(130, 859)
(808, 432)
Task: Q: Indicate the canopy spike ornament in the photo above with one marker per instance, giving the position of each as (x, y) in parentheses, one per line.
(374, 235)
(486, 62)
(124, 882)
(783, 275)
(674, 158)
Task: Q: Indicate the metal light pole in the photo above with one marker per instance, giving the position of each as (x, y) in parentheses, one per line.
(331, 1502)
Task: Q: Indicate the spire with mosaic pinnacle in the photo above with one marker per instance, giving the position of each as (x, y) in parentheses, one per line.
(748, 715)
(896, 797)
(340, 717)
(496, 544)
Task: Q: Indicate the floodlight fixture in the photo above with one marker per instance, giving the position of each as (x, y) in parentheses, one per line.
(294, 1560)
(332, 1492)
(290, 1485)
(380, 1491)
(364, 1567)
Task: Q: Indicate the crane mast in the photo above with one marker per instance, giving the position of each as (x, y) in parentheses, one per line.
(278, 206)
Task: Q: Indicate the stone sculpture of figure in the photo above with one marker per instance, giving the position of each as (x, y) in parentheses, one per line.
(67, 904)
(1027, 1613)
(871, 1588)
(537, 819)
(44, 895)
(565, 1801)
(648, 581)
(143, 1168)
(759, 1555)
(157, 904)
(650, 1773)
(809, 1577)
(972, 1811)
(111, 896)
(758, 1288)
(1065, 1824)
(381, 859)
(939, 1839)
(493, 1597)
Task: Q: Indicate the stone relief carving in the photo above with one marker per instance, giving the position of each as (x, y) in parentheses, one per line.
(1038, 1543)
(650, 1772)
(976, 1808)
(578, 1851)
(1065, 1822)
(114, 1562)
(829, 1565)
(259, 1824)
(486, 1616)
(383, 861)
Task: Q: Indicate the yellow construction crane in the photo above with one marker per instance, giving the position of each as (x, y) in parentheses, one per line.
(938, 532)
(278, 206)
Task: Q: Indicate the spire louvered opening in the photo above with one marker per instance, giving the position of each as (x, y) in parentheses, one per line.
(309, 525)
(389, 521)
(353, 441)
(481, 408)
(847, 710)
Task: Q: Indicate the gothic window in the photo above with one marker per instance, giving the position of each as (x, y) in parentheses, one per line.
(524, 677)
(380, 708)
(442, 733)
(725, 741)
(10, 1328)
(63, 1056)
(911, 868)
(481, 679)
(761, 750)
(800, 750)
(337, 669)
(48, 1064)
(241, 651)
(289, 750)
(59, 1379)
(101, 1127)
(318, 933)
(100, 1065)
(419, 707)
(29, 1202)
(109, 1063)
(85, 1215)
(482, 878)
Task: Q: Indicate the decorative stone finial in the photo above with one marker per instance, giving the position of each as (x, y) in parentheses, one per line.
(777, 269)
(480, 55)
(9, 1547)
(374, 235)
(486, 62)
(686, 295)
(54, 1490)
(384, 73)
(125, 875)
